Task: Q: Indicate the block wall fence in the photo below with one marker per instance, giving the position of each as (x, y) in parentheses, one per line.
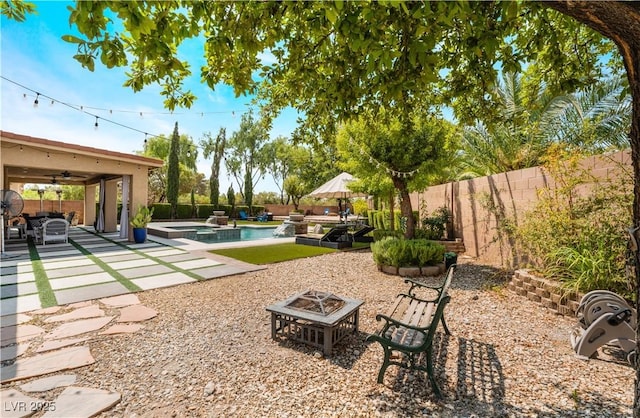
(511, 194)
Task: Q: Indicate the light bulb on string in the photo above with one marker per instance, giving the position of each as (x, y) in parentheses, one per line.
(95, 125)
(35, 102)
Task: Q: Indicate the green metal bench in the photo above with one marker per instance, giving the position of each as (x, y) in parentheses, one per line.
(410, 326)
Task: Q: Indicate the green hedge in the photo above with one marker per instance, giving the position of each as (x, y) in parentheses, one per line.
(161, 211)
(184, 211)
(399, 252)
(205, 210)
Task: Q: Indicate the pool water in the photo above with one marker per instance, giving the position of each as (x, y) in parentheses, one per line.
(247, 234)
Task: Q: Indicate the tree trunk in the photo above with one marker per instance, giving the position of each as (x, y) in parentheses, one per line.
(392, 208)
(620, 22)
(405, 206)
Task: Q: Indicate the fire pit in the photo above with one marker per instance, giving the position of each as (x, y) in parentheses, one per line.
(316, 318)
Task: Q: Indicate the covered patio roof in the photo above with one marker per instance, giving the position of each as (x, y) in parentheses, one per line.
(43, 161)
(28, 160)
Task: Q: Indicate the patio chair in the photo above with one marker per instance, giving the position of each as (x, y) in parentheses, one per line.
(244, 217)
(263, 218)
(55, 230)
(70, 216)
(326, 211)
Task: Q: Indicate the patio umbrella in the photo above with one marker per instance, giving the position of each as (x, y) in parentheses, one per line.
(336, 188)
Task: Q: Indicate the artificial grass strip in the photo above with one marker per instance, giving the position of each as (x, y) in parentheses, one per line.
(45, 292)
(104, 266)
(268, 254)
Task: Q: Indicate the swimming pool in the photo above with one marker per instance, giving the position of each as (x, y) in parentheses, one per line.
(210, 235)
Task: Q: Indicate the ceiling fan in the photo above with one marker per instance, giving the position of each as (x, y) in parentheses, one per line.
(66, 175)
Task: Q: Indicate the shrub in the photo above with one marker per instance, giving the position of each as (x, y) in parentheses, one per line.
(360, 207)
(580, 240)
(379, 234)
(433, 226)
(161, 210)
(205, 210)
(399, 252)
(184, 211)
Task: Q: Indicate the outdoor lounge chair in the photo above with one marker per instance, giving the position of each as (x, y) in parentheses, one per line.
(262, 218)
(360, 234)
(337, 237)
(54, 230)
(244, 217)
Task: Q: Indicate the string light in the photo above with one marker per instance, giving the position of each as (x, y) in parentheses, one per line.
(378, 164)
(81, 108)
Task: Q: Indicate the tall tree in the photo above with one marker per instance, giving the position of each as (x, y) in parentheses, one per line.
(281, 159)
(158, 147)
(214, 148)
(173, 172)
(244, 158)
(408, 153)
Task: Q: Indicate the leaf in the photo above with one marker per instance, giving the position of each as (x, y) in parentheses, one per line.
(72, 39)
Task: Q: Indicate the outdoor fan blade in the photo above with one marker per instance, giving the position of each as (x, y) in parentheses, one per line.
(12, 203)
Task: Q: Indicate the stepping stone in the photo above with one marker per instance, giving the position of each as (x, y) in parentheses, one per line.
(47, 311)
(13, 351)
(17, 319)
(120, 301)
(91, 311)
(16, 404)
(48, 383)
(79, 402)
(83, 326)
(55, 344)
(122, 329)
(136, 313)
(17, 333)
(80, 304)
(65, 359)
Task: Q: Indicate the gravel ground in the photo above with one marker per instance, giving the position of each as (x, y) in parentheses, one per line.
(209, 353)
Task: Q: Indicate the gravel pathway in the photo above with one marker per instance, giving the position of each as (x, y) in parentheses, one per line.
(209, 353)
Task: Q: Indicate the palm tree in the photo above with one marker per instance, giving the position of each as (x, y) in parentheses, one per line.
(596, 119)
(531, 119)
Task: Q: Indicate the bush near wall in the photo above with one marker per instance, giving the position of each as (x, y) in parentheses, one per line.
(184, 211)
(399, 252)
(205, 210)
(161, 211)
(257, 209)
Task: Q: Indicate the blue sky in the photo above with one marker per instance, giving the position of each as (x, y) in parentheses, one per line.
(34, 55)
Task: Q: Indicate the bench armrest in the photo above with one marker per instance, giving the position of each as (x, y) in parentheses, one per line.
(418, 285)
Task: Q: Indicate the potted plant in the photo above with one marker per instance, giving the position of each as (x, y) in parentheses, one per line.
(139, 223)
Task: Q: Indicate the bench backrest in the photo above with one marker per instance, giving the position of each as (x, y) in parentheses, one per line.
(447, 281)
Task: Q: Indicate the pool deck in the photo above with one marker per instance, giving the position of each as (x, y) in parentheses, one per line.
(92, 266)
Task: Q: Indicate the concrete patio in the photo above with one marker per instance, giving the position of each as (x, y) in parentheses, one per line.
(93, 266)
